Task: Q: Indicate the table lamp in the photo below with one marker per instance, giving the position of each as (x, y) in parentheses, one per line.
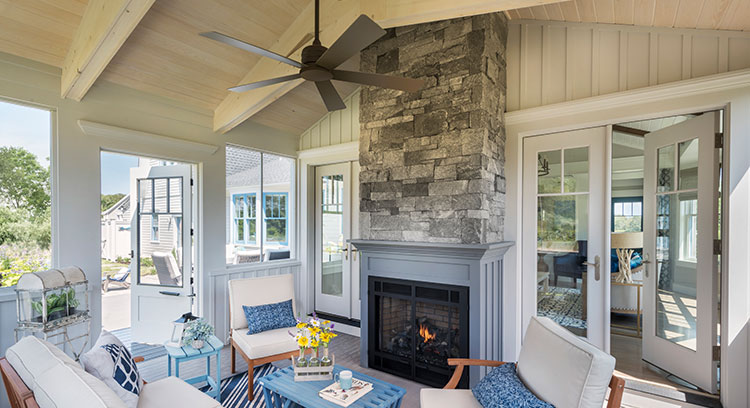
(624, 243)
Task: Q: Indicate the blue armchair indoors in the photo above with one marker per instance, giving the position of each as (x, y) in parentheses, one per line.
(570, 265)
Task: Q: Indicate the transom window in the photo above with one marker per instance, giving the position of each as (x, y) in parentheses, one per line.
(627, 214)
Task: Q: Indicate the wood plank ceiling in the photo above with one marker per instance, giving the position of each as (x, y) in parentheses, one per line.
(702, 14)
(164, 55)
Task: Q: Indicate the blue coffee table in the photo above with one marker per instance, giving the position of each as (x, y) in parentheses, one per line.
(280, 390)
(211, 347)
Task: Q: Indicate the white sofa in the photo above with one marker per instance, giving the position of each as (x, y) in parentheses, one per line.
(268, 346)
(57, 381)
(554, 364)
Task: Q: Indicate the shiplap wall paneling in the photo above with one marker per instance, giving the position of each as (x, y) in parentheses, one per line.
(551, 62)
(335, 127)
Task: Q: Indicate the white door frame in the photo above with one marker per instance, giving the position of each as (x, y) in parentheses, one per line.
(597, 290)
(683, 97)
(306, 163)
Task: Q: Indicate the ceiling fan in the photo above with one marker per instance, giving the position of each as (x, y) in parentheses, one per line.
(319, 63)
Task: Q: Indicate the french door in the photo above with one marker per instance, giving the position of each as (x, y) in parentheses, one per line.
(681, 271)
(161, 263)
(336, 222)
(565, 231)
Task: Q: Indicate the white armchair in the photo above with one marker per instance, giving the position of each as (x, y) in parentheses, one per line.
(268, 346)
(554, 364)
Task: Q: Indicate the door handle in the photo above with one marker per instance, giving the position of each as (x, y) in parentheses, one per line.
(645, 264)
(595, 265)
(354, 253)
(168, 293)
(346, 253)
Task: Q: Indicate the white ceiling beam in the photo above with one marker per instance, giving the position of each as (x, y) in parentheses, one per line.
(337, 16)
(105, 26)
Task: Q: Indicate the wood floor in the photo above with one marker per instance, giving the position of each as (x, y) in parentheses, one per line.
(346, 350)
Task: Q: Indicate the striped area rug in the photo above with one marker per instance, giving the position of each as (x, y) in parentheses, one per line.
(234, 389)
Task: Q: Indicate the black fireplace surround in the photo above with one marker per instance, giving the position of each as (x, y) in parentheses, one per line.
(414, 327)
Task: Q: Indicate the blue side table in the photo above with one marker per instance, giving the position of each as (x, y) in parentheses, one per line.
(280, 390)
(211, 347)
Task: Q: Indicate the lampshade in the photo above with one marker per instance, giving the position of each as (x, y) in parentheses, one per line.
(627, 240)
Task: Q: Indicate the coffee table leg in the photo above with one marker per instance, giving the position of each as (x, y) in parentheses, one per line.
(267, 398)
(177, 368)
(169, 365)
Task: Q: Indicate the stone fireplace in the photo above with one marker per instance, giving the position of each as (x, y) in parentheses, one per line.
(432, 189)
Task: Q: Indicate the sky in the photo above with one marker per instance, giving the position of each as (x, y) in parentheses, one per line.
(23, 126)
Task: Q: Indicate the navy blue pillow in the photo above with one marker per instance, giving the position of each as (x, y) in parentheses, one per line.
(501, 388)
(268, 317)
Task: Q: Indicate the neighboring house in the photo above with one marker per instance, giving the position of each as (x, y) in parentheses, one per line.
(157, 232)
(116, 230)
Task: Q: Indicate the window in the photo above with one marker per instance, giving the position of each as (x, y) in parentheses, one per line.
(260, 206)
(627, 214)
(244, 218)
(154, 228)
(689, 230)
(25, 205)
(276, 219)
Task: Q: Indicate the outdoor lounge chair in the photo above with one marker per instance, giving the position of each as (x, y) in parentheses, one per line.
(554, 364)
(120, 278)
(166, 268)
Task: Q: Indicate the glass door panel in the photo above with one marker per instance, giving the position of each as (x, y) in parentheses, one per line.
(332, 234)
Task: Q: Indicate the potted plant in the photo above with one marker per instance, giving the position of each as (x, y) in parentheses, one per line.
(58, 305)
(197, 332)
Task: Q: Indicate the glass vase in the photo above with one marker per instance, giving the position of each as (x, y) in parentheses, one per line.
(315, 361)
(325, 361)
(301, 360)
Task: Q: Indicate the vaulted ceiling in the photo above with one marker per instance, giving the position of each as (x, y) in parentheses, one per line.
(705, 14)
(154, 46)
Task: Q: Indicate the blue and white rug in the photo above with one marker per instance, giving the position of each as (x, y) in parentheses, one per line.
(563, 305)
(234, 389)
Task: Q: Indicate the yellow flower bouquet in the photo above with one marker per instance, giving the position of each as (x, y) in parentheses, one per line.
(313, 334)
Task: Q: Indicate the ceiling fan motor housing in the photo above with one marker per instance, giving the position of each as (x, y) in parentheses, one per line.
(310, 71)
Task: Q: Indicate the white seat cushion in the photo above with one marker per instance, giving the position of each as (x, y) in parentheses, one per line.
(438, 398)
(562, 369)
(173, 392)
(55, 379)
(257, 291)
(266, 343)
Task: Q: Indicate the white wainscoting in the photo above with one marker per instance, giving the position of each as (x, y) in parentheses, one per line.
(220, 293)
(551, 62)
(334, 128)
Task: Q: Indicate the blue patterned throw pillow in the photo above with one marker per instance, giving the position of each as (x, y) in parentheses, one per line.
(268, 317)
(501, 388)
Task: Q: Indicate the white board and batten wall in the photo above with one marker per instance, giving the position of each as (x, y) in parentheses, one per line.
(551, 62)
(334, 128)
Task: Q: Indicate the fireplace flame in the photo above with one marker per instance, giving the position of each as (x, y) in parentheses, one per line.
(425, 333)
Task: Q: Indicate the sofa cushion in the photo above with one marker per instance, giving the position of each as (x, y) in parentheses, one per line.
(110, 361)
(501, 388)
(268, 317)
(267, 343)
(257, 291)
(55, 379)
(562, 369)
(439, 398)
(173, 392)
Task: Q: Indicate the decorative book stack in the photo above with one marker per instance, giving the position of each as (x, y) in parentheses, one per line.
(344, 398)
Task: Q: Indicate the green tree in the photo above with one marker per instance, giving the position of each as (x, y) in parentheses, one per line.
(108, 200)
(24, 183)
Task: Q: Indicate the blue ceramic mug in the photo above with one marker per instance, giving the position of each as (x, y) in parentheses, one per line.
(344, 378)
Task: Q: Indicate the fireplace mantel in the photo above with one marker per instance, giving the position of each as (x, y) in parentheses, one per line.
(476, 266)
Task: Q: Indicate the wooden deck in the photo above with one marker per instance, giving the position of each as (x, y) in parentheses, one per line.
(346, 349)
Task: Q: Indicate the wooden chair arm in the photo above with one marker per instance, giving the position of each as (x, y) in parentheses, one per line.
(617, 387)
(19, 394)
(460, 363)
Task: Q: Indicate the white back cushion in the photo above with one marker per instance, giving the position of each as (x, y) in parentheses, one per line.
(56, 379)
(258, 291)
(562, 369)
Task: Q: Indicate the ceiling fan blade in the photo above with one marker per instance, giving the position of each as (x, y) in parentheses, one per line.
(330, 97)
(359, 35)
(259, 84)
(383, 81)
(249, 47)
